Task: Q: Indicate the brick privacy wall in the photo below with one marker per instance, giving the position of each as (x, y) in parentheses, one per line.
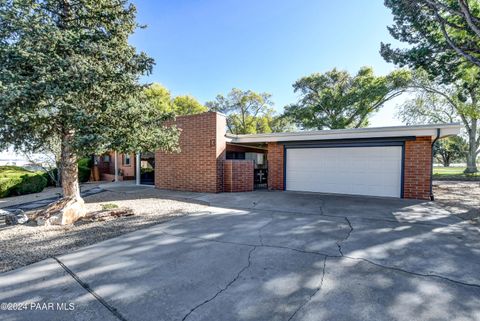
(238, 175)
(418, 168)
(199, 165)
(275, 166)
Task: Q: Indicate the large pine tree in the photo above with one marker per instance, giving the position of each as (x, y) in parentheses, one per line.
(68, 71)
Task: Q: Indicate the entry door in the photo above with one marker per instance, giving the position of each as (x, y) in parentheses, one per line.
(375, 171)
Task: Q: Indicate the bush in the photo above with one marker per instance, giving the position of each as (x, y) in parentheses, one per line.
(85, 162)
(83, 174)
(7, 184)
(18, 181)
(30, 184)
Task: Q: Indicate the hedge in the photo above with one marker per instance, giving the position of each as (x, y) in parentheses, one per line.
(18, 181)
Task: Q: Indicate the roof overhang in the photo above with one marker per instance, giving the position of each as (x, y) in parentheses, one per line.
(372, 132)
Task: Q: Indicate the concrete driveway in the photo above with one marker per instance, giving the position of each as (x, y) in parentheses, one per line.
(267, 256)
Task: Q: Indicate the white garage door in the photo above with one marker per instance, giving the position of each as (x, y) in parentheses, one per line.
(372, 171)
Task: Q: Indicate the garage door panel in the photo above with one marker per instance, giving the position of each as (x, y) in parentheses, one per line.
(350, 170)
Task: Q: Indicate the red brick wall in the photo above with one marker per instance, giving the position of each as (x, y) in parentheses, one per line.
(418, 162)
(237, 175)
(199, 165)
(275, 166)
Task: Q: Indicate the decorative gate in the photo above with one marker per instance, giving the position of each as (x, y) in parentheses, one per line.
(260, 178)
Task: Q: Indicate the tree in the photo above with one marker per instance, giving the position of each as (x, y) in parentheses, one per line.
(161, 98)
(187, 105)
(444, 35)
(67, 71)
(336, 99)
(439, 103)
(450, 149)
(244, 110)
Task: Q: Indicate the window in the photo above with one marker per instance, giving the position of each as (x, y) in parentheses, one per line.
(235, 155)
(106, 158)
(126, 159)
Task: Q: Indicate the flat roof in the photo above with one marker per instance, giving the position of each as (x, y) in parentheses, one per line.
(351, 133)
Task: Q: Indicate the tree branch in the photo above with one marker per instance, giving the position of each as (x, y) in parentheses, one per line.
(457, 49)
(468, 17)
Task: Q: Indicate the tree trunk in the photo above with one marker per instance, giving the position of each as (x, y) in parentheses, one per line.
(69, 170)
(71, 207)
(472, 149)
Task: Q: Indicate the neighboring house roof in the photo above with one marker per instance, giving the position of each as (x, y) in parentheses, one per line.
(370, 132)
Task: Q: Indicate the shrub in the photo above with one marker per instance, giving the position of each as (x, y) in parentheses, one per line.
(7, 184)
(30, 184)
(83, 174)
(85, 162)
(18, 181)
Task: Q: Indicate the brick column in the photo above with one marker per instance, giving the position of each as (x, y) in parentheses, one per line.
(198, 167)
(418, 168)
(275, 166)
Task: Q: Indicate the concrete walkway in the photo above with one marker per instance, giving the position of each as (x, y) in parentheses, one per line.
(267, 256)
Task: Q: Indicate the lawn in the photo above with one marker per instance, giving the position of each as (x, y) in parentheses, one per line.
(453, 173)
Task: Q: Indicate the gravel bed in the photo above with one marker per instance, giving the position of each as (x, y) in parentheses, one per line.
(21, 245)
(461, 198)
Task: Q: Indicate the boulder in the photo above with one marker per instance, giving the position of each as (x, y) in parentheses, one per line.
(62, 212)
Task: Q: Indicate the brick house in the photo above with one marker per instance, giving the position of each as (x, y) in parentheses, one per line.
(386, 161)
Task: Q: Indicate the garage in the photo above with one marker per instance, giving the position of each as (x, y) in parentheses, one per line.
(377, 161)
(373, 171)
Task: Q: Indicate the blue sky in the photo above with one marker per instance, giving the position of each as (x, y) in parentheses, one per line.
(207, 47)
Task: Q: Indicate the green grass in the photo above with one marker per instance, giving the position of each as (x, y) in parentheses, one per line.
(453, 173)
(109, 206)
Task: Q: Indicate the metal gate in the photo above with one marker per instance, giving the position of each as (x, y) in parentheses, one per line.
(260, 178)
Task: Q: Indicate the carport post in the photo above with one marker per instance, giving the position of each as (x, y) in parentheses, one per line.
(137, 169)
(432, 197)
(116, 166)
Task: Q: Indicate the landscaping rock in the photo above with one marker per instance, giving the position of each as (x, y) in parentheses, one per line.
(11, 219)
(62, 212)
(14, 217)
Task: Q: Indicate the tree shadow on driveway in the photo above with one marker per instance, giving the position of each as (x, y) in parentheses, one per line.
(267, 264)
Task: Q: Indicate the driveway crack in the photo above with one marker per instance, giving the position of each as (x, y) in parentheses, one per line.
(339, 243)
(87, 287)
(314, 293)
(429, 275)
(226, 287)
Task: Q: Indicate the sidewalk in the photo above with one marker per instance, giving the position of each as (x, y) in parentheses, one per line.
(49, 195)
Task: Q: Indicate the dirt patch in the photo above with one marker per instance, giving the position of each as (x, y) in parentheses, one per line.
(459, 198)
(25, 244)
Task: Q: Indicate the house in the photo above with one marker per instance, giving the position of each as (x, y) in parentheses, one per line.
(385, 161)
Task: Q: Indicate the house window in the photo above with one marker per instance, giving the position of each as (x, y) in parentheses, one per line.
(126, 159)
(106, 158)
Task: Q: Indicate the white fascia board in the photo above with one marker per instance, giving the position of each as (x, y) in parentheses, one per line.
(373, 132)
